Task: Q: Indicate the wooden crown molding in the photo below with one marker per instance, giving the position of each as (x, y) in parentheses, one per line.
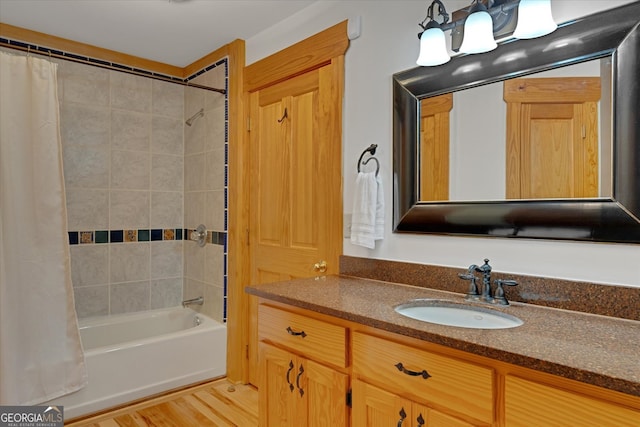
(310, 53)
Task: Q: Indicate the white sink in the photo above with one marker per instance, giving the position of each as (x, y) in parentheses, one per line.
(451, 313)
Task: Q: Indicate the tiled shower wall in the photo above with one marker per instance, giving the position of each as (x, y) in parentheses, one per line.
(122, 141)
(137, 179)
(129, 196)
(205, 159)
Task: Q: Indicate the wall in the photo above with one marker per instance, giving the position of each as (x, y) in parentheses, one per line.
(123, 164)
(389, 44)
(205, 160)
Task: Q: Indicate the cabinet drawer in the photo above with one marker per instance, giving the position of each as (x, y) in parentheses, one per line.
(313, 338)
(460, 386)
(528, 403)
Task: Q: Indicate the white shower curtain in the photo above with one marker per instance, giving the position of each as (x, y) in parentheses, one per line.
(40, 350)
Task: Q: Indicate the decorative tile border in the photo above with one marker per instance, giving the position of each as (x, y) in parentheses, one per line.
(142, 235)
(90, 61)
(209, 68)
(106, 64)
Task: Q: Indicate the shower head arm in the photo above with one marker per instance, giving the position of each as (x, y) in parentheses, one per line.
(190, 120)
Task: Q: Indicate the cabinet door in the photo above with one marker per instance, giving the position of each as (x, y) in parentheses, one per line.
(436, 419)
(298, 392)
(325, 394)
(374, 407)
(278, 394)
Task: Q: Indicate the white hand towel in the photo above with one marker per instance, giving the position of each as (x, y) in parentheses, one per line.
(367, 220)
(379, 228)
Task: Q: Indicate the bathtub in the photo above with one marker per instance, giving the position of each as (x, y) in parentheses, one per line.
(131, 356)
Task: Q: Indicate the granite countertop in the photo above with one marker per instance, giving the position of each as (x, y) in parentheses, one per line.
(594, 349)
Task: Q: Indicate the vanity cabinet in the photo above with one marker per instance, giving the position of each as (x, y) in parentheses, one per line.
(438, 383)
(319, 370)
(303, 381)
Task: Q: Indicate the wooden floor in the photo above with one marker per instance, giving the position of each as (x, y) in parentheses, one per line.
(216, 403)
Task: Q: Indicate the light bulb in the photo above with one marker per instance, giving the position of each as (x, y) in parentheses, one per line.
(433, 48)
(478, 33)
(534, 19)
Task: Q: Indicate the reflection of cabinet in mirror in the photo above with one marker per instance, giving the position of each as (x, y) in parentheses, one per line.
(552, 137)
(434, 147)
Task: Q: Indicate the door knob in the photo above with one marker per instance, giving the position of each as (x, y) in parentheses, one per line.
(320, 267)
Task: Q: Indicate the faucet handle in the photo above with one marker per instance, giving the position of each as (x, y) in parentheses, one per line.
(498, 296)
(472, 293)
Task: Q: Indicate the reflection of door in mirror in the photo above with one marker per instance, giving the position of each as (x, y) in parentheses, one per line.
(552, 137)
(472, 126)
(434, 147)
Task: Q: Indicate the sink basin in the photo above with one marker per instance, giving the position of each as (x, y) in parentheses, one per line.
(451, 313)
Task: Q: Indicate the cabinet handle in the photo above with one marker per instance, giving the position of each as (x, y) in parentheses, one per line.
(300, 372)
(424, 374)
(420, 420)
(403, 415)
(296, 334)
(289, 372)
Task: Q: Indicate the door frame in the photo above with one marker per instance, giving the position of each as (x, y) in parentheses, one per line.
(311, 53)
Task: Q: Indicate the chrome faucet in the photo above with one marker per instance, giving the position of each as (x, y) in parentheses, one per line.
(196, 301)
(485, 294)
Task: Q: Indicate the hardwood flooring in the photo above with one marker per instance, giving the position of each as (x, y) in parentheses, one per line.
(216, 403)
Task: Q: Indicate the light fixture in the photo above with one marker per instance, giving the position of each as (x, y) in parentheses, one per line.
(433, 47)
(476, 28)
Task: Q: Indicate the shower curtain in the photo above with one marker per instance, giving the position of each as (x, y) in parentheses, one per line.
(41, 354)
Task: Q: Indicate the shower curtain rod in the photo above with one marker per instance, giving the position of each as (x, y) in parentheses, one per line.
(38, 50)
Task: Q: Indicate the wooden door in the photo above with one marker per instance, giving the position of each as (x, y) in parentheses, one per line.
(315, 110)
(552, 137)
(288, 188)
(434, 147)
(296, 197)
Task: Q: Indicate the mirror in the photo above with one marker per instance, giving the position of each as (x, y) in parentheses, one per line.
(572, 103)
(611, 215)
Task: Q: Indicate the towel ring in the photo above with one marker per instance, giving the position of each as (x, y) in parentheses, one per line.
(377, 164)
(372, 150)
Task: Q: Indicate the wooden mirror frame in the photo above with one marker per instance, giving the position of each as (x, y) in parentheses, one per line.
(614, 33)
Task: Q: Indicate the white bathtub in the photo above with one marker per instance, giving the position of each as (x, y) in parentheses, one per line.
(131, 356)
